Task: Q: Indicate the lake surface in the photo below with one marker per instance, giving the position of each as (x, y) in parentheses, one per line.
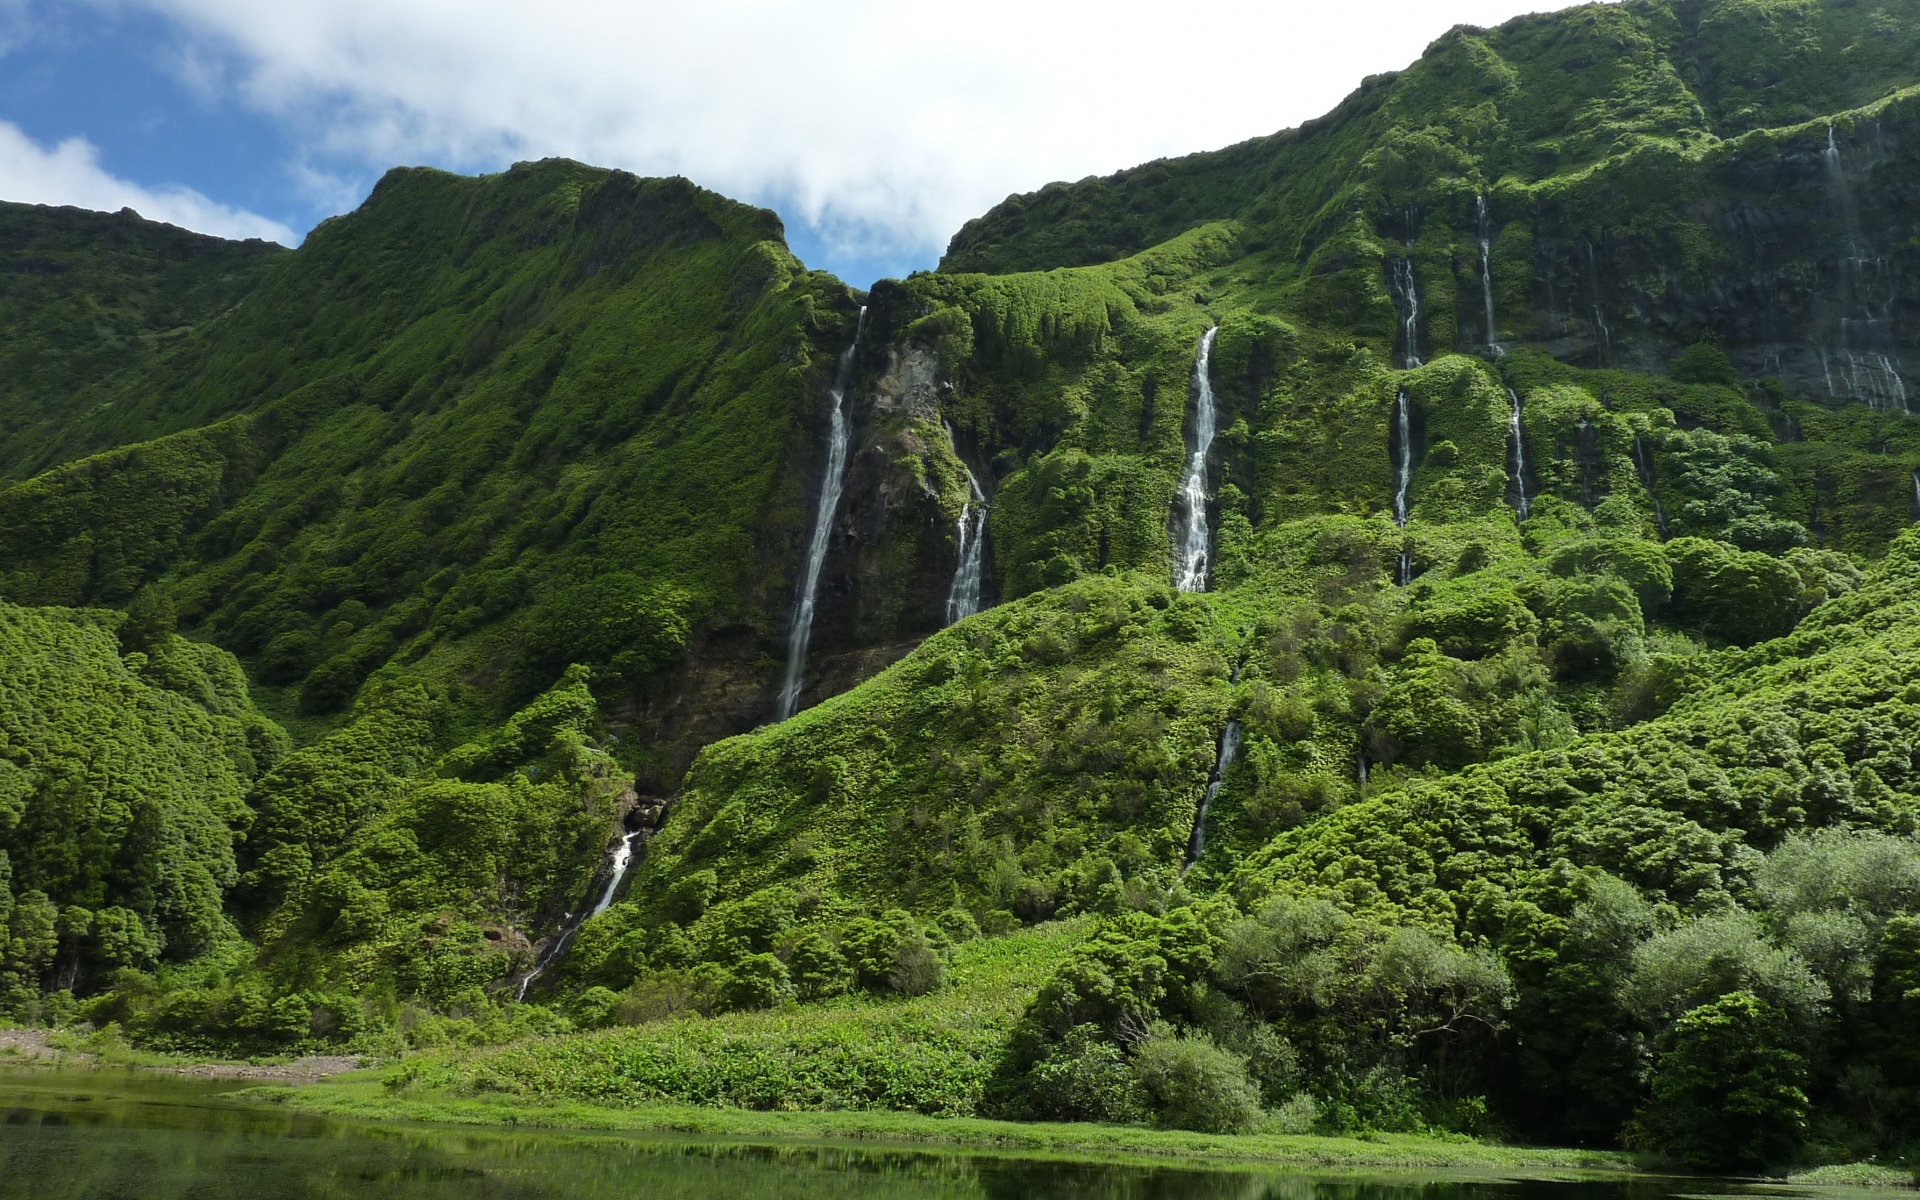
(108, 1135)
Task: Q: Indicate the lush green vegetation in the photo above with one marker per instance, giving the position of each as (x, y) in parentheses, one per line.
(1594, 826)
(90, 300)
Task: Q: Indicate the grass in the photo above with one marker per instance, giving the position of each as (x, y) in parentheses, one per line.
(365, 1096)
(1857, 1175)
(931, 1054)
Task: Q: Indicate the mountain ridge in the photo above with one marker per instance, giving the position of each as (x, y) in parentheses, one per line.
(1591, 468)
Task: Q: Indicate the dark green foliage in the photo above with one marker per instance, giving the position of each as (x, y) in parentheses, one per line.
(123, 778)
(86, 296)
(1193, 1084)
(1727, 1091)
(1084, 1077)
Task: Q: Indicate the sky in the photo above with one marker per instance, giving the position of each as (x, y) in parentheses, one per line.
(874, 127)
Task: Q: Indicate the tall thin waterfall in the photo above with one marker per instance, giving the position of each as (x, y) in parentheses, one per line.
(1643, 466)
(1407, 300)
(1517, 461)
(1916, 495)
(963, 597)
(1403, 478)
(830, 488)
(1870, 375)
(1486, 277)
(1223, 759)
(1843, 192)
(1196, 541)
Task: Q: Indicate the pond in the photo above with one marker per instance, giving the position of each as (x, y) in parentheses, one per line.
(107, 1135)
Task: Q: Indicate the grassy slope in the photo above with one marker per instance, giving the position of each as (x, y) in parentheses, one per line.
(90, 298)
(1542, 98)
(930, 1054)
(453, 405)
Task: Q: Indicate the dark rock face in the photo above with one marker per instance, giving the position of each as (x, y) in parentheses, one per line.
(1796, 254)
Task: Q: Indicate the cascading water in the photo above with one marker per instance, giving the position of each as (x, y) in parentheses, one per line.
(1602, 336)
(1223, 759)
(830, 488)
(624, 853)
(1195, 543)
(1486, 276)
(963, 597)
(1871, 376)
(1916, 495)
(1407, 301)
(1874, 378)
(1403, 478)
(1517, 461)
(622, 859)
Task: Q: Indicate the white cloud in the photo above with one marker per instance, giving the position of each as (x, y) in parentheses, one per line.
(70, 173)
(881, 123)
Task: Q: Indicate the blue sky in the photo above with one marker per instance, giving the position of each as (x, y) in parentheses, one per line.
(874, 128)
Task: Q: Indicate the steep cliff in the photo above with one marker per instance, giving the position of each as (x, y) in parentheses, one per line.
(1541, 413)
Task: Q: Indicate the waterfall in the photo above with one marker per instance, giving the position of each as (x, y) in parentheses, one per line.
(963, 598)
(1223, 759)
(1602, 336)
(1522, 503)
(1407, 303)
(1486, 277)
(1843, 192)
(1870, 375)
(1191, 575)
(1875, 378)
(1643, 466)
(622, 859)
(830, 487)
(1916, 495)
(1403, 479)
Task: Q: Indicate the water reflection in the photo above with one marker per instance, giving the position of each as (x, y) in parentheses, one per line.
(99, 1135)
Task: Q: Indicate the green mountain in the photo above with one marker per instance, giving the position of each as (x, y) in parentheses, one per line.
(1440, 662)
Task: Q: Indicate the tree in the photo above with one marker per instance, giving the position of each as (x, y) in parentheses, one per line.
(1730, 1090)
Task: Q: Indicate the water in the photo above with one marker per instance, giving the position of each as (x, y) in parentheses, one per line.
(1406, 298)
(1403, 478)
(830, 487)
(622, 859)
(1602, 336)
(1874, 378)
(963, 597)
(72, 1135)
(1916, 495)
(1196, 542)
(1486, 276)
(1870, 376)
(1223, 759)
(1522, 502)
(1843, 193)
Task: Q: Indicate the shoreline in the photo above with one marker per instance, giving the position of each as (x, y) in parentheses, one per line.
(366, 1097)
(38, 1047)
(342, 1087)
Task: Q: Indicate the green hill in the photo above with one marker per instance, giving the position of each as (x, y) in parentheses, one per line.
(1536, 759)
